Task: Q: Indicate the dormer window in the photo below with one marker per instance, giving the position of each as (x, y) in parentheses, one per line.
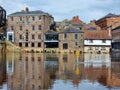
(91, 28)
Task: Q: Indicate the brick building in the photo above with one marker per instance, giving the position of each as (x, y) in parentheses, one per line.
(116, 38)
(26, 28)
(108, 21)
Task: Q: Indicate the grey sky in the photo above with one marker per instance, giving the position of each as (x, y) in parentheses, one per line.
(66, 9)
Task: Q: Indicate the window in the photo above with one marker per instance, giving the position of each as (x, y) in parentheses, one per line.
(39, 36)
(65, 36)
(39, 27)
(26, 36)
(11, 28)
(33, 36)
(103, 48)
(76, 43)
(97, 48)
(32, 44)
(33, 18)
(76, 36)
(20, 37)
(91, 28)
(27, 22)
(103, 41)
(65, 46)
(39, 44)
(11, 18)
(20, 18)
(39, 17)
(20, 44)
(20, 28)
(26, 44)
(90, 48)
(90, 41)
(33, 27)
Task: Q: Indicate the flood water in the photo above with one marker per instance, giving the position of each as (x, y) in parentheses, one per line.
(24, 71)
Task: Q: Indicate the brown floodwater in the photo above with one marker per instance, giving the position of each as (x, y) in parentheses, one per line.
(38, 71)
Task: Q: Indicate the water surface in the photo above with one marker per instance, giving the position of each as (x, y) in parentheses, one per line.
(62, 71)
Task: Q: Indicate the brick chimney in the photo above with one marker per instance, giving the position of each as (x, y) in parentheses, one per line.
(26, 9)
(76, 20)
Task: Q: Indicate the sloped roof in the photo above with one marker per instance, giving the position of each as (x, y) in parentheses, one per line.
(96, 34)
(24, 13)
(71, 30)
(109, 15)
(51, 32)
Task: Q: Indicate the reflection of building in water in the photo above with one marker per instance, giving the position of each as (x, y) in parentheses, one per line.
(114, 77)
(2, 70)
(69, 67)
(38, 71)
(28, 73)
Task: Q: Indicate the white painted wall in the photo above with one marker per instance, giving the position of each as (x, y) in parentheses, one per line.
(10, 33)
(97, 42)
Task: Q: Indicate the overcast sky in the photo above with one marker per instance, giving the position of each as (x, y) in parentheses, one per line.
(65, 9)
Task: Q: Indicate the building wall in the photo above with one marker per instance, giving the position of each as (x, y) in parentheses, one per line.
(116, 34)
(106, 22)
(45, 23)
(71, 41)
(97, 46)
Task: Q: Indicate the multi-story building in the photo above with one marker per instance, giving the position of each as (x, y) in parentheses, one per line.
(26, 28)
(71, 39)
(116, 39)
(95, 39)
(108, 21)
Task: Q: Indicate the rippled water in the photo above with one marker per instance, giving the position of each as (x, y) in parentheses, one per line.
(59, 72)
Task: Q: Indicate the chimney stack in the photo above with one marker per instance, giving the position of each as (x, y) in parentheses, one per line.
(26, 9)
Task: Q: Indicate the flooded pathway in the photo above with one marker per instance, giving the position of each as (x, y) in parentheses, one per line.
(59, 72)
